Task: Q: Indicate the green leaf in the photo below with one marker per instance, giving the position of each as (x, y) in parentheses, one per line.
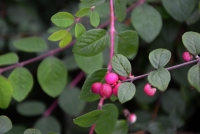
(31, 44)
(88, 119)
(94, 18)
(58, 35)
(106, 122)
(128, 42)
(180, 10)
(82, 12)
(32, 131)
(121, 127)
(16, 129)
(121, 65)
(89, 64)
(126, 92)
(159, 57)
(70, 103)
(6, 91)
(31, 108)
(5, 124)
(79, 30)
(191, 41)
(97, 76)
(91, 42)
(66, 40)
(62, 19)
(22, 83)
(9, 58)
(92, 2)
(52, 76)
(148, 23)
(120, 9)
(194, 76)
(159, 78)
(47, 124)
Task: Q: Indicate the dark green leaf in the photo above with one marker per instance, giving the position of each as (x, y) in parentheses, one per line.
(191, 41)
(16, 129)
(148, 23)
(180, 10)
(121, 65)
(32, 131)
(106, 122)
(31, 108)
(48, 124)
(93, 2)
(9, 58)
(89, 64)
(121, 127)
(159, 78)
(6, 91)
(70, 102)
(88, 119)
(65, 40)
(58, 35)
(126, 92)
(120, 9)
(79, 30)
(82, 12)
(97, 76)
(52, 76)
(22, 83)
(194, 17)
(159, 57)
(62, 19)
(5, 124)
(91, 42)
(194, 76)
(128, 42)
(94, 18)
(31, 44)
(155, 128)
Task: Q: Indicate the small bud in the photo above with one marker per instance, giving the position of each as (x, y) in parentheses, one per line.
(96, 87)
(105, 91)
(115, 89)
(132, 118)
(187, 56)
(111, 78)
(149, 90)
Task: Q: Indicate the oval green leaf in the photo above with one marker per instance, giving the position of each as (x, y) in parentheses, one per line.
(97, 76)
(88, 119)
(70, 102)
(82, 12)
(126, 92)
(92, 2)
(6, 92)
(9, 58)
(52, 76)
(94, 18)
(128, 42)
(91, 42)
(89, 64)
(62, 19)
(22, 83)
(191, 41)
(79, 30)
(159, 57)
(159, 78)
(31, 108)
(121, 65)
(148, 23)
(66, 40)
(32, 131)
(120, 9)
(121, 127)
(58, 35)
(194, 76)
(30, 44)
(5, 124)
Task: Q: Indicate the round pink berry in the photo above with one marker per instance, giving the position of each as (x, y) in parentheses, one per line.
(115, 89)
(122, 77)
(149, 90)
(187, 56)
(96, 87)
(111, 78)
(105, 91)
(132, 118)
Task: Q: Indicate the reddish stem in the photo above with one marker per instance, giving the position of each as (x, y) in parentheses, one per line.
(77, 79)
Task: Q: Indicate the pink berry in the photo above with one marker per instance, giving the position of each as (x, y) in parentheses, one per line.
(149, 90)
(96, 87)
(122, 77)
(187, 56)
(105, 91)
(111, 78)
(132, 118)
(115, 89)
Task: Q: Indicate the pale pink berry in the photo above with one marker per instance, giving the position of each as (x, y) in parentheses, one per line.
(149, 90)
(115, 89)
(96, 87)
(111, 78)
(132, 118)
(187, 56)
(105, 91)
